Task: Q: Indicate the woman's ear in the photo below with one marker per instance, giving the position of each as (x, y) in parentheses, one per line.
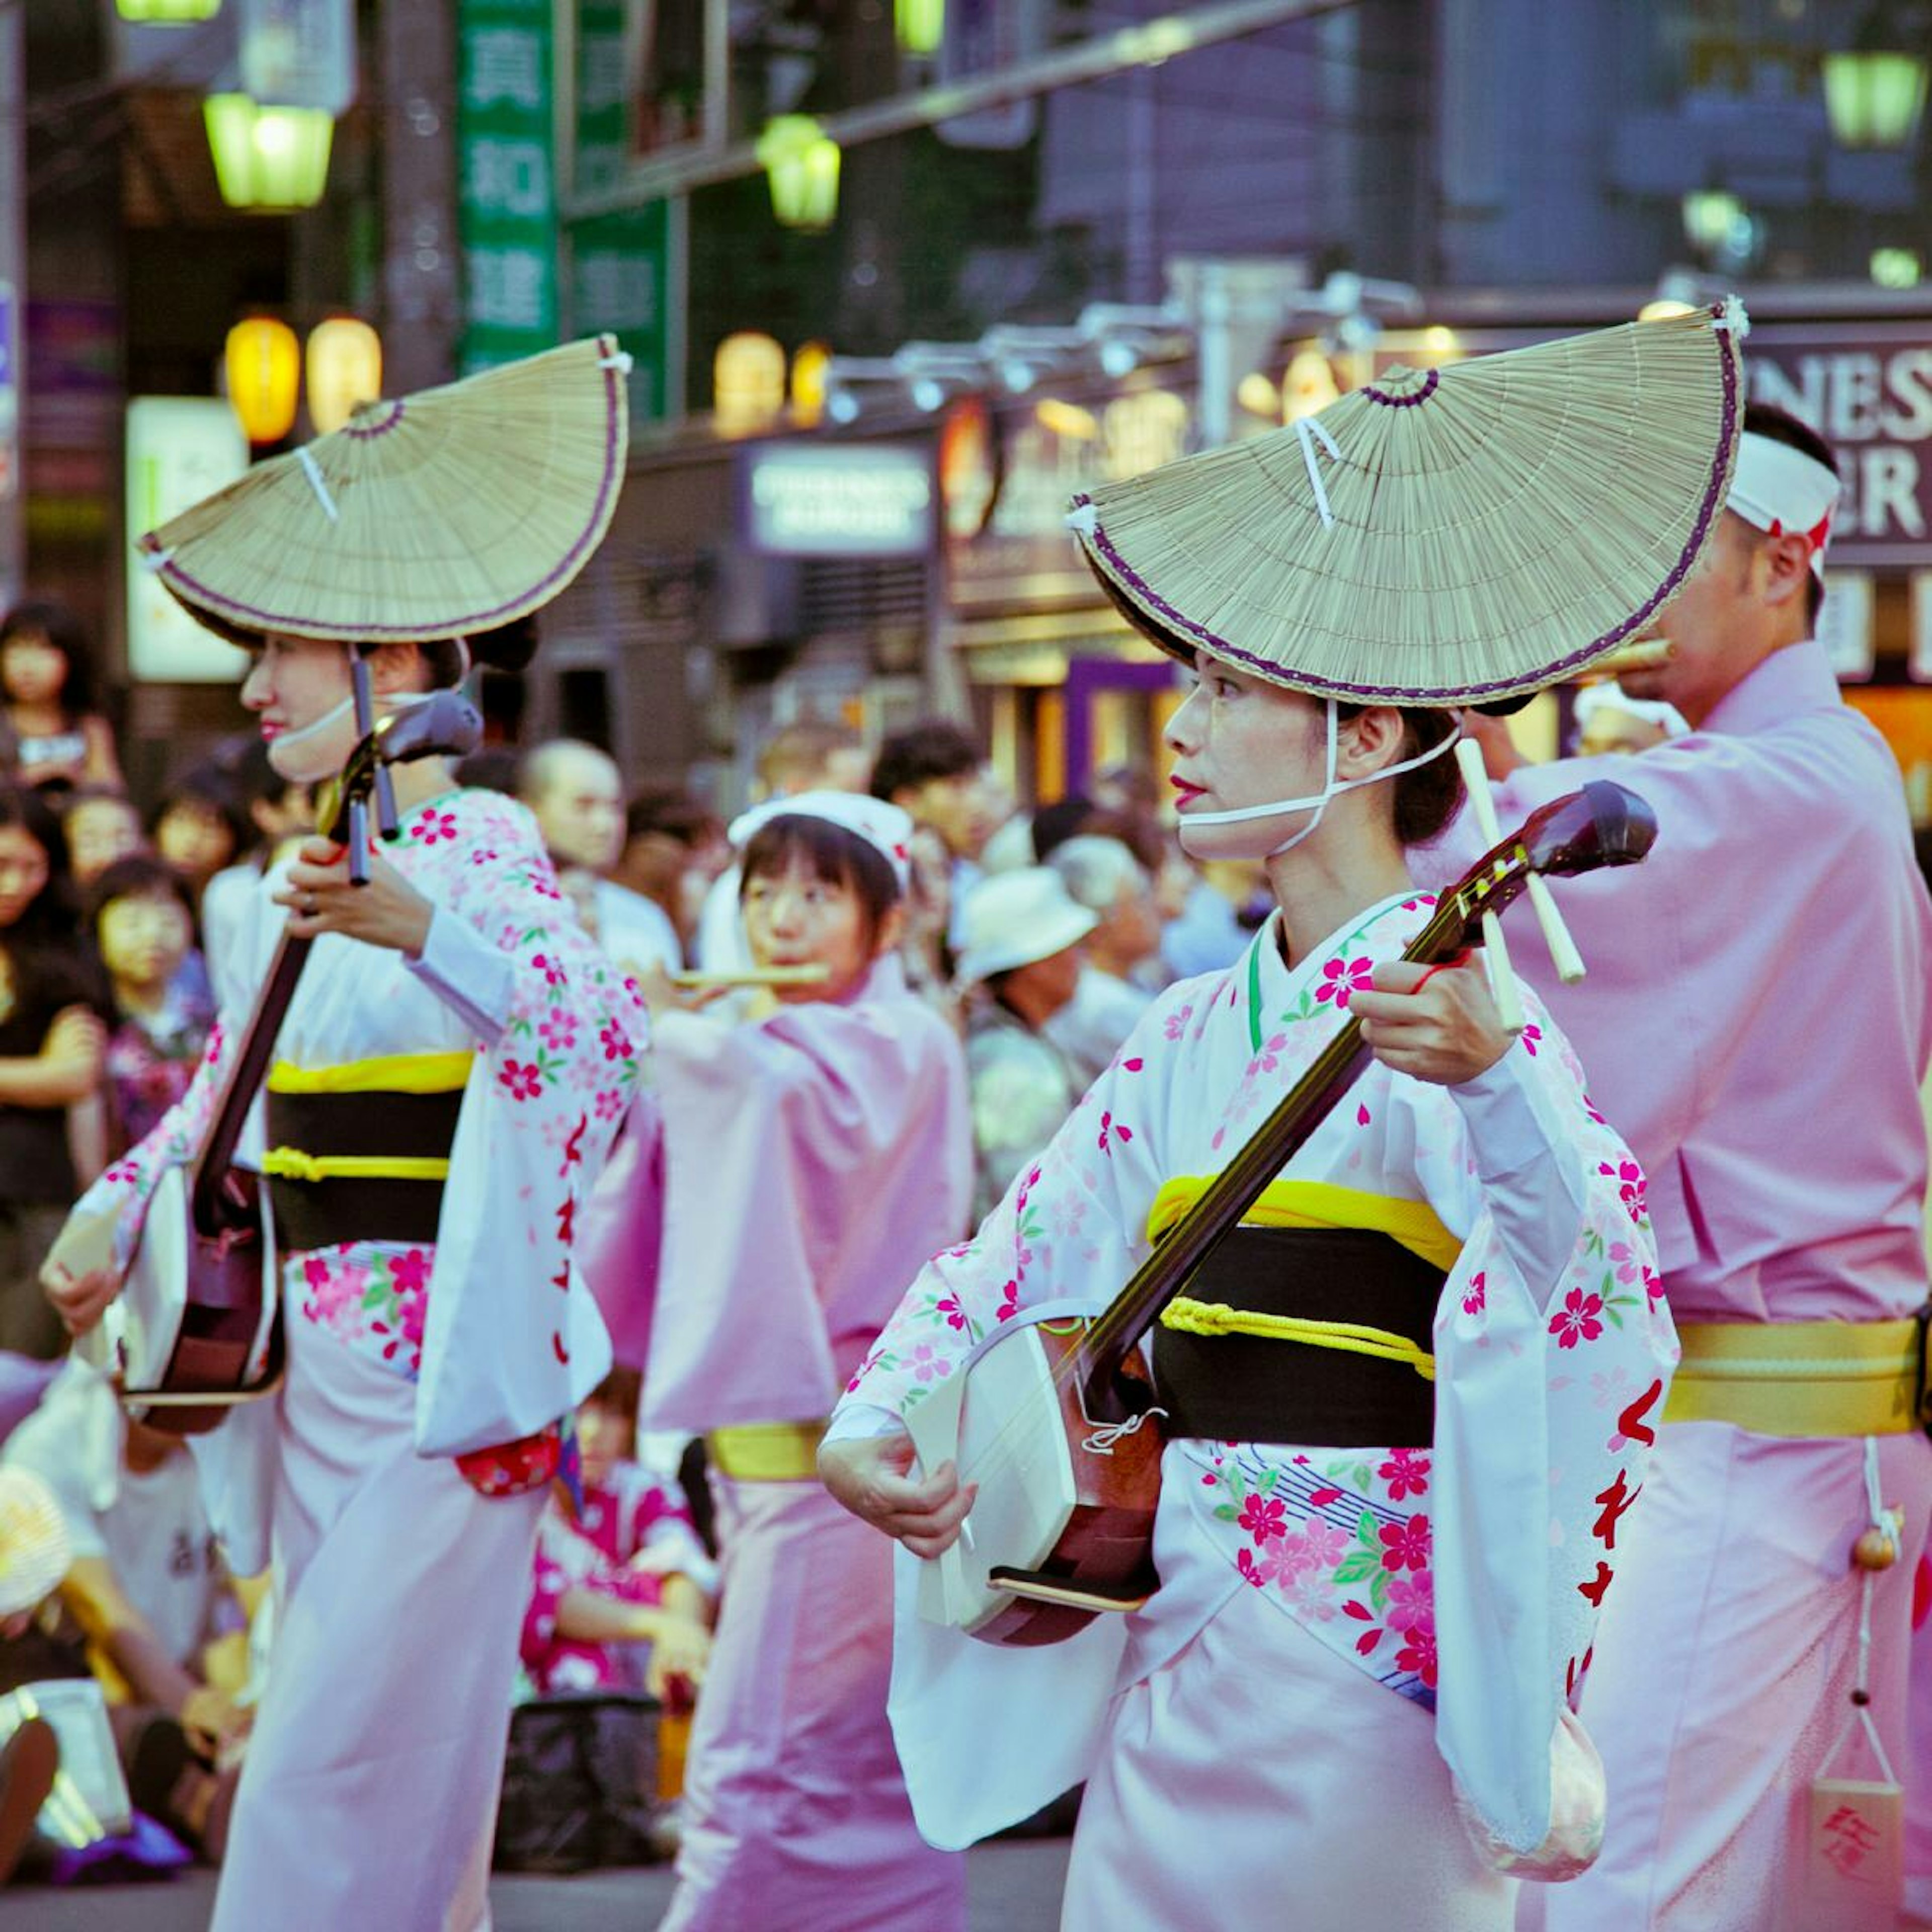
(395, 668)
(1366, 743)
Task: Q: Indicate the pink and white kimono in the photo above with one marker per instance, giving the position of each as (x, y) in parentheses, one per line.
(1336, 1631)
(811, 1163)
(1756, 1021)
(632, 1532)
(368, 1793)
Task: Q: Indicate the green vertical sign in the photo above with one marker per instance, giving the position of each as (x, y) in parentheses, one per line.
(625, 271)
(507, 196)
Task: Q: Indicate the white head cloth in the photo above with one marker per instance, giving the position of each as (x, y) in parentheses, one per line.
(885, 827)
(1780, 490)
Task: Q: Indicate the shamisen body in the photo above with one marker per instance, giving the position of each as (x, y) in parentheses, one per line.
(446, 1084)
(1378, 1585)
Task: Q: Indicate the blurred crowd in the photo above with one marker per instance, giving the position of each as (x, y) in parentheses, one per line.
(1040, 936)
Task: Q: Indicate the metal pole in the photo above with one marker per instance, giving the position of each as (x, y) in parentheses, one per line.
(13, 292)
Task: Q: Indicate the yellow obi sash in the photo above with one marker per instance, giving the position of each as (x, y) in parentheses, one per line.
(766, 1452)
(1414, 1224)
(1799, 1379)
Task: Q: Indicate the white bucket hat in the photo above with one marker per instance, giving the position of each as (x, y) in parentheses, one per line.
(1016, 918)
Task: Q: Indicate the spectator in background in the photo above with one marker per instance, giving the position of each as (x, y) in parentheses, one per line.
(575, 793)
(1608, 719)
(54, 735)
(1109, 998)
(281, 813)
(52, 1040)
(1022, 947)
(935, 771)
(674, 850)
(809, 755)
(143, 925)
(100, 826)
(1221, 908)
(148, 1590)
(623, 1593)
(201, 827)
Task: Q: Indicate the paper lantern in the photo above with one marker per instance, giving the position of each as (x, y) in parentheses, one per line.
(264, 364)
(344, 367)
(267, 158)
(802, 162)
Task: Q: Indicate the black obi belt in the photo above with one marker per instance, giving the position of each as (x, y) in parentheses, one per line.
(363, 1166)
(1279, 1388)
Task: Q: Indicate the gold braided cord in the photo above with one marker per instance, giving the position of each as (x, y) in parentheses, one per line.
(1216, 1318)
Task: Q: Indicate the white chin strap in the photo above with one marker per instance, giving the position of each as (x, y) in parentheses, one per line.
(1317, 803)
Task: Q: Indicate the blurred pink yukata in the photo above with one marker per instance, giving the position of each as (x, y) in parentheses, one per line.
(809, 1164)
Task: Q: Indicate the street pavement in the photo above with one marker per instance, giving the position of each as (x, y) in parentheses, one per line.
(1014, 1886)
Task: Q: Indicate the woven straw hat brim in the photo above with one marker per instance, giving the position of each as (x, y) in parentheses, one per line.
(451, 512)
(1496, 524)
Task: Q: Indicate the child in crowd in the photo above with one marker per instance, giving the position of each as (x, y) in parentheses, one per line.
(143, 925)
(202, 826)
(101, 826)
(623, 1592)
(55, 737)
(52, 1039)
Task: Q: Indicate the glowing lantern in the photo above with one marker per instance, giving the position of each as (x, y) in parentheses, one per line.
(166, 12)
(1875, 92)
(264, 364)
(809, 365)
(919, 24)
(747, 383)
(803, 162)
(345, 367)
(271, 158)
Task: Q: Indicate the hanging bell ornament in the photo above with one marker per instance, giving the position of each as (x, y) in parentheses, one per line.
(1874, 1550)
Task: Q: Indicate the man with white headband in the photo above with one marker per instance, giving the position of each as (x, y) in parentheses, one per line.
(1755, 1020)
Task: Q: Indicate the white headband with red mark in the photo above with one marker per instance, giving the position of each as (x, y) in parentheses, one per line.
(887, 828)
(1785, 493)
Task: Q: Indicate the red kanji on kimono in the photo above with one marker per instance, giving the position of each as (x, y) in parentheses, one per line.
(1597, 1585)
(1617, 1498)
(1631, 1424)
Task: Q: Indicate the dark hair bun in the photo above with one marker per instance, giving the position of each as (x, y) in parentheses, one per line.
(509, 647)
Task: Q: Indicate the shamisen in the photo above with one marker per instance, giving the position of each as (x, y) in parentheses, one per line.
(1381, 1537)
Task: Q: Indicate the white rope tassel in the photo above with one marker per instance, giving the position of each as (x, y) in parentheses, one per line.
(1306, 430)
(1502, 978)
(621, 360)
(1101, 1442)
(157, 560)
(312, 472)
(1563, 953)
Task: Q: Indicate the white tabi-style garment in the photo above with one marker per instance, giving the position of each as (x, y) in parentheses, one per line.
(1464, 1576)
(370, 1782)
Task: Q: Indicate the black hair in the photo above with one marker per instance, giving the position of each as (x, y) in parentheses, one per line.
(669, 810)
(921, 753)
(1780, 425)
(214, 791)
(836, 856)
(1054, 824)
(42, 619)
(619, 1390)
(51, 918)
(140, 875)
(1426, 798)
(490, 768)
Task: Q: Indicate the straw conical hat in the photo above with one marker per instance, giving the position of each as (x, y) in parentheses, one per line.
(445, 514)
(1490, 526)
